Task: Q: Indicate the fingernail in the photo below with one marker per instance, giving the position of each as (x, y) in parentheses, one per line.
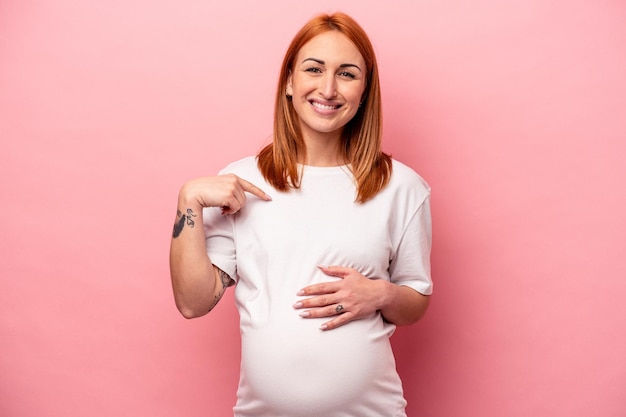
(305, 314)
(301, 292)
(297, 305)
(323, 327)
(268, 197)
(322, 266)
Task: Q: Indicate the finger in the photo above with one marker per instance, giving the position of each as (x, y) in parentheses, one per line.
(229, 210)
(233, 204)
(335, 271)
(237, 198)
(327, 311)
(339, 321)
(240, 197)
(319, 289)
(253, 189)
(315, 302)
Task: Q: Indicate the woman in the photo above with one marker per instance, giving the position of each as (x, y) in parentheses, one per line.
(326, 267)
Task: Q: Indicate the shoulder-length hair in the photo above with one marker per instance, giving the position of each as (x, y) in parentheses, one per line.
(361, 137)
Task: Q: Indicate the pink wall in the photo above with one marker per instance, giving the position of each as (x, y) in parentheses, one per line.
(513, 111)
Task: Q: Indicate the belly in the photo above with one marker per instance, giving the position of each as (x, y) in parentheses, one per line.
(294, 369)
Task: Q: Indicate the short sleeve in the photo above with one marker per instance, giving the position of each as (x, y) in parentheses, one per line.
(411, 264)
(220, 242)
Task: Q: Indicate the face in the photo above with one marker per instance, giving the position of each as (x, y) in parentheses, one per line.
(326, 84)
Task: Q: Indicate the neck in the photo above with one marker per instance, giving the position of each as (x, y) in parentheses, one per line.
(323, 151)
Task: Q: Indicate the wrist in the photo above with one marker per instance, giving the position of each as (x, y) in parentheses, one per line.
(187, 200)
(386, 289)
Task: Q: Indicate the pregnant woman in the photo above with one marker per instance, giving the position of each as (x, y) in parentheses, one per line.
(325, 238)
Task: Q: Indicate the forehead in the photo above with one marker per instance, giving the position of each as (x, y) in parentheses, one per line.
(332, 47)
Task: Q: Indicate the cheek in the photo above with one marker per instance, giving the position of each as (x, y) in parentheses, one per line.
(354, 98)
(303, 84)
(354, 94)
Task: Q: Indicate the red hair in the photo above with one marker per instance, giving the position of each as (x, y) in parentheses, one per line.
(361, 137)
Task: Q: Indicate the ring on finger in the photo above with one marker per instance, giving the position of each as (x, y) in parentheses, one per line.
(339, 308)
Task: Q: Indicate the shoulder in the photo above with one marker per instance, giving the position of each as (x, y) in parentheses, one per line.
(242, 166)
(405, 178)
(247, 169)
(405, 194)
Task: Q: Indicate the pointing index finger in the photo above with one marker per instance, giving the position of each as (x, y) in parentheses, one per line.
(254, 190)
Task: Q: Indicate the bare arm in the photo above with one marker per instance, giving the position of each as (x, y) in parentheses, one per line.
(197, 284)
(403, 305)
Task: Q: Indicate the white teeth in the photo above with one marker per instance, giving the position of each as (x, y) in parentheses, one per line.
(323, 106)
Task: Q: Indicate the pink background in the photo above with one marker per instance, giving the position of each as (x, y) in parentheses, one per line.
(514, 112)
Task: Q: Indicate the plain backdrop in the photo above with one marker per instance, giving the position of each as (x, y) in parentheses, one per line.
(514, 112)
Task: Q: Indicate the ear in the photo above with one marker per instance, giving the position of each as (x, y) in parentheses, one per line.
(289, 88)
(364, 95)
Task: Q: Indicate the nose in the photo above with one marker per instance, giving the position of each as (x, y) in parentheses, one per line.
(328, 85)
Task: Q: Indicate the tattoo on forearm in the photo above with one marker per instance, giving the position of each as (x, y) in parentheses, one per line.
(226, 282)
(183, 219)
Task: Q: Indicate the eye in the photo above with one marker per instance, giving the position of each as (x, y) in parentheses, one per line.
(347, 74)
(313, 70)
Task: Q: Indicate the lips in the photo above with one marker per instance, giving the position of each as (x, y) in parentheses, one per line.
(324, 106)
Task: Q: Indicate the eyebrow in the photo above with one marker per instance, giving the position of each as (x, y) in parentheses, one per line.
(319, 61)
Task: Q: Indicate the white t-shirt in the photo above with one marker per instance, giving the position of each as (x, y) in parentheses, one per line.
(272, 249)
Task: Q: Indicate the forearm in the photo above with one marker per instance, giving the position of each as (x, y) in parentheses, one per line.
(191, 270)
(402, 305)
(198, 285)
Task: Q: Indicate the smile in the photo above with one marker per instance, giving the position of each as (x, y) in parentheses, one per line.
(324, 106)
